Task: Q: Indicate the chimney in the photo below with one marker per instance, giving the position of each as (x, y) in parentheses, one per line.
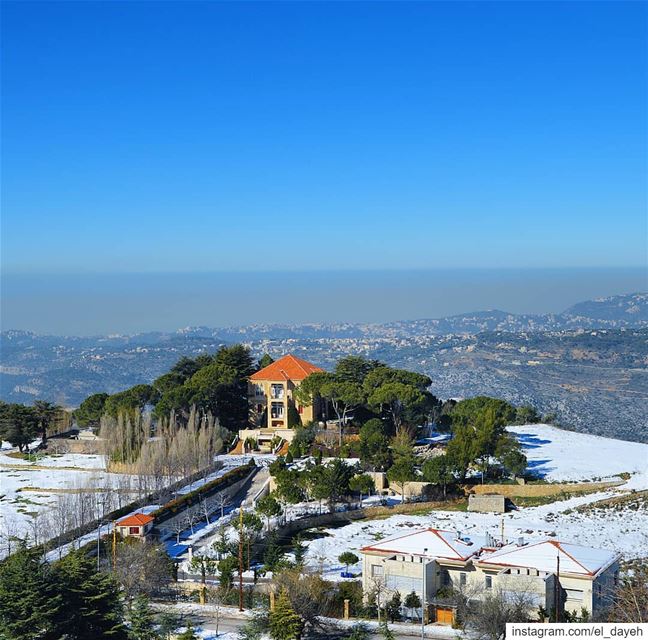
(520, 541)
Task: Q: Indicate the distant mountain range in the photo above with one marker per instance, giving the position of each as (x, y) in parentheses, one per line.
(587, 365)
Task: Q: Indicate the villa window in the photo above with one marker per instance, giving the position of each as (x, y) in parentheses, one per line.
(377, 570)
(462, 579)
(277, 410)
(277, 391)
(133, 531)
(489, 582)
(574, 594)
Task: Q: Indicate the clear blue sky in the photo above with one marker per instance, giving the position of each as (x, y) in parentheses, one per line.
(226, 136)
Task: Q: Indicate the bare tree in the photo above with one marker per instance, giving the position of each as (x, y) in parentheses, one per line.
(9, 532)
(222, 501)
(486, 618)
(176, 526)
(143, 568)
(630, 597)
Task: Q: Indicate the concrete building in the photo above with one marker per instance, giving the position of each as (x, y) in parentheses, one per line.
(433, 562)
(137, 525)
(487, 503)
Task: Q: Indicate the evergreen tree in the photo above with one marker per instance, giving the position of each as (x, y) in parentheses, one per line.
(273, 556)
(265, 361)
(412, 601)
(299, 550)
(30, 606)
(438, 470)
(347, 558)
(168, 622)
(385, 631)
(268, 507)
(141, 620)
(362, 483)
(93, 607)
(393, 607)
(188, 633)
(285, 624)
(226, 569)
(90, 410)
(404, 468)
(374, 446)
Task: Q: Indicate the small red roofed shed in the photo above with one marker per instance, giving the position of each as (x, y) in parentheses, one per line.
(135, 525)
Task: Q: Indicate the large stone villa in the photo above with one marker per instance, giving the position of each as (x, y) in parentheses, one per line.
(274, 411)
(432, 561)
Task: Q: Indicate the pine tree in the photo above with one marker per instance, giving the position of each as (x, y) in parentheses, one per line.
(273, 555)
(141, 620)
(30, 607)
(385, 631)
(392, 610)
(188, 633)
(93, 607)
(299, 550)
(167, 624)
(285, 623)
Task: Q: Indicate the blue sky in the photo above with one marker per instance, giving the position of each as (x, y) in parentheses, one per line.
(154, 137)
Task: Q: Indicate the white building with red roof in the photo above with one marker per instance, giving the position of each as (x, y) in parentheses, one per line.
(434, 562)
(136, 525)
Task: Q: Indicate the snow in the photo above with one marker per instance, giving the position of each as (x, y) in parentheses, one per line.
(556, 455)
(542, 555)
(433, 543)
(78, 460)
(48, 475)
(69, 471)
(624, 532)
(559, 456)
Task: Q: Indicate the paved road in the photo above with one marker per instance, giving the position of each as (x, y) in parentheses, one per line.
(230, 621)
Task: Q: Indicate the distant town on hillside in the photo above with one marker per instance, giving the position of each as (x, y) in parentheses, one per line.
(583, 368)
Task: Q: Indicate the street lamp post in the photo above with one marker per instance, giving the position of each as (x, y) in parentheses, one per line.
(423, 602)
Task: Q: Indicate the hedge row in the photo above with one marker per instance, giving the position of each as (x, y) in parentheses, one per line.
(180, 503)
(163, 513)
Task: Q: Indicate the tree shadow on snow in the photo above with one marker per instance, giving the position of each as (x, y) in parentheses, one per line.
(530, 440)
(537, 468)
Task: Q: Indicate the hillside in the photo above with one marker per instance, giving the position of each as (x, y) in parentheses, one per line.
(586, 365)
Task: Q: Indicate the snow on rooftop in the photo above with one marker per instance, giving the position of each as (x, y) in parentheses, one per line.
(434, 543)
(543, 556)
(539, 554)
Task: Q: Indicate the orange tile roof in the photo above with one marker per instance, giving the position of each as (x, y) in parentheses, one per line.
(287, 368)
(135, 520)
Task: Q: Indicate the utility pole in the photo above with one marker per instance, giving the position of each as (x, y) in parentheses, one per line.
(114, 548)
(98, 540)
(423, 603)
(557, 589)
(240, 558)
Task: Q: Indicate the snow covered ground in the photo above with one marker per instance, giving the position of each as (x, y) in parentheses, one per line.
(559, 455)
(554, 454)
(28, 487)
